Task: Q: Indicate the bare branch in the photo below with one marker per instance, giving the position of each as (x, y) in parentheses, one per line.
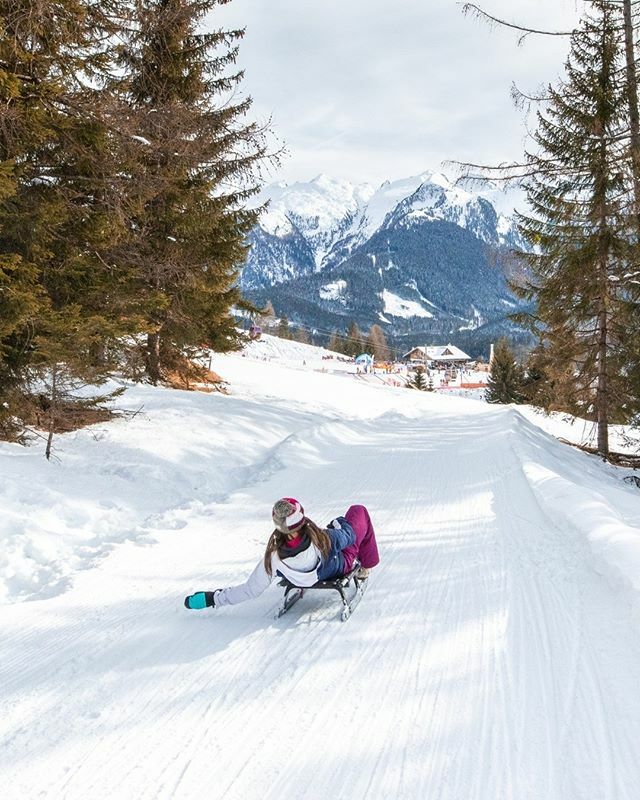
(479, 13)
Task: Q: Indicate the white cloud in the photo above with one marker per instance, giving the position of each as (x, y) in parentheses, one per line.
(370, 90)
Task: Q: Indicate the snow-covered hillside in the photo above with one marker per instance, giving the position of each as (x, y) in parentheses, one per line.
(495, 656)
(328, 252)
(323, 208)
(330, 212)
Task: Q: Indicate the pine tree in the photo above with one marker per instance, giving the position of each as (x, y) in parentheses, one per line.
(20, 302)
(338, 344)
(578, 193)
(505, 378)
(354, 344)
(418, 381)
(283, 330)
(631, 95)
(55, 205)
(377, 343)
(267, 315)
(65, 370)
(300, 335)
(537, 388)
(191, 167)
(614, 395)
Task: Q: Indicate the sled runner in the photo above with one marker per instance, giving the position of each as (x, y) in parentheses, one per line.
(342, 585)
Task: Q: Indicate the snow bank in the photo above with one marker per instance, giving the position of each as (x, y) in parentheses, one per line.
(622, 438)
(126, 481)
(580, 491)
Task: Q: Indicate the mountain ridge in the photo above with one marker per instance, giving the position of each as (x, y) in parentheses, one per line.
(419, 256)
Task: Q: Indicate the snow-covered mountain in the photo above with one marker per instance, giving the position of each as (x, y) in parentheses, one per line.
(323, 211)
(419, 252)
(332, 218)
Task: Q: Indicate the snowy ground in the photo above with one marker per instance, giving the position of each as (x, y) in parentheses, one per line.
(495, 656)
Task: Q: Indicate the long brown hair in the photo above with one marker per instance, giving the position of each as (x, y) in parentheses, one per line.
(319, 537)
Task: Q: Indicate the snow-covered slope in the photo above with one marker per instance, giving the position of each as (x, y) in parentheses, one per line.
(495, 656)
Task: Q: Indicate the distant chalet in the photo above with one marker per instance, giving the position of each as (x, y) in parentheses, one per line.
(449, 355)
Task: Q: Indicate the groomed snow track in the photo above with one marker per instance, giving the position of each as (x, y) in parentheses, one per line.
(489, 660)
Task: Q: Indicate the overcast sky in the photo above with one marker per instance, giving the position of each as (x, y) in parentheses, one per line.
(370, 90)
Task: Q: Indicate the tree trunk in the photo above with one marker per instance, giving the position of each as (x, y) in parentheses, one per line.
(602, 390)
(632, 99)
(52, 411)
(602, 385)
(153, 357)
(604, 287)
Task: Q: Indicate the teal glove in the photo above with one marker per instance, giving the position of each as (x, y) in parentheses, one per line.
(200, 600)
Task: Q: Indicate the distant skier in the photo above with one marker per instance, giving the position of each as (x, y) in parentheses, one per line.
(303, 553)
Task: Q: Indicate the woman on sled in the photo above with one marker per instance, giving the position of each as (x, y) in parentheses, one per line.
(303, 553)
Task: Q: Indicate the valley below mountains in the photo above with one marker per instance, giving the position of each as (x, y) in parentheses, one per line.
(423, 258)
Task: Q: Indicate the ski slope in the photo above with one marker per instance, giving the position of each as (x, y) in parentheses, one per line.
(495, 656)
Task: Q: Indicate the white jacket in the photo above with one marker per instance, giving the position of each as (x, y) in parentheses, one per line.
(301, 569)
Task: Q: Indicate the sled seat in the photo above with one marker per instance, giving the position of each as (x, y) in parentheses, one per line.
(338, 584)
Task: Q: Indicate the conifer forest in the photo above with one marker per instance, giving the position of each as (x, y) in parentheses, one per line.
(125, 167)
(129, 160)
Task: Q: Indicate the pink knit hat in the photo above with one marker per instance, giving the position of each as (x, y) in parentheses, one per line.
(287, 515)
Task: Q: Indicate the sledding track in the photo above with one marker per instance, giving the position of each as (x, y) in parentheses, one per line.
(489, 660)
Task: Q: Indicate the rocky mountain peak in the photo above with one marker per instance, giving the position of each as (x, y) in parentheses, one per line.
(418, 253)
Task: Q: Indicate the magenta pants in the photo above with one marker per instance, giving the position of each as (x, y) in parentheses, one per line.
(365, 549)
